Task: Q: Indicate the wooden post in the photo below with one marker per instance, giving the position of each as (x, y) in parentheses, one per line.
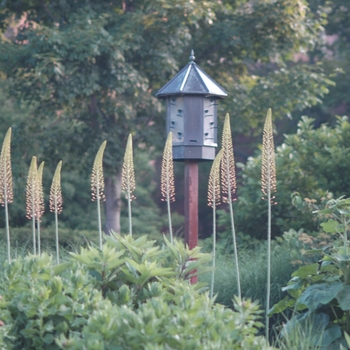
(191, 206)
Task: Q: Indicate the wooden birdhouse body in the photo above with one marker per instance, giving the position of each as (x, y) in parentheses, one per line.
(192, 113)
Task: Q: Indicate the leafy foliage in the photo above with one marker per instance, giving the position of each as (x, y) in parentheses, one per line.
(129, 293)
(319, 293)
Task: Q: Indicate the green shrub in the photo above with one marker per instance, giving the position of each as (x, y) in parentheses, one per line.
(312, 162)
(131, 294)
(38, 304)
(319, 292)
(189, 322)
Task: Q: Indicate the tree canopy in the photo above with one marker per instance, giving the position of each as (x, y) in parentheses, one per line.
(90, 70)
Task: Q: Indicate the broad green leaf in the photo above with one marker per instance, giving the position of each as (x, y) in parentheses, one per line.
(343, 298)
(331, 226)
(293, 286)
(321, 293)
(285, 303)
(306, 271)
(48, 338)
(329, 335)
(58, 269)
(313, 251)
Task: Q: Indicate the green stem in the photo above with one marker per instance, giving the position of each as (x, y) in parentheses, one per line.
(99, 211)
(99, 221)
(129, 209)
(235, 249)
(169, 212)
(33, 221)
(345, 236)
(347, 321)
(214, 248)
(170, 224)
(34, 239)
(7, 224)
(233, 229)
(56, 231)
(268, 260)
(39, 243)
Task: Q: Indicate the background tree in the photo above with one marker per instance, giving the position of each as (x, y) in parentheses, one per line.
(90, 70)
(333, 53)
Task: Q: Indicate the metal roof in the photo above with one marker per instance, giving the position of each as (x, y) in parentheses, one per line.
(192, 80)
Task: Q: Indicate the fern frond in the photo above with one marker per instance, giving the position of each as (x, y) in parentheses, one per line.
(128, 174)
(268, 165)
(214, 193)
(97, 178)
(6, 190)
(56, 201)
(167, 174)
(228, 172)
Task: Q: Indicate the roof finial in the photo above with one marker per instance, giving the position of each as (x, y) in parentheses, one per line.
(192, 58)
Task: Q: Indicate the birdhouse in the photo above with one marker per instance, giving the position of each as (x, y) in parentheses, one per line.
(191, 104)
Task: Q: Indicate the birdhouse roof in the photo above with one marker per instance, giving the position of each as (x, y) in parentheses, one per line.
(191, 80)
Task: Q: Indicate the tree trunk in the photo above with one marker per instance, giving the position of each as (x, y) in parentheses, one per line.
(113, 189)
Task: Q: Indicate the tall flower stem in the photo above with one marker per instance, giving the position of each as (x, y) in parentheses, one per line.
(268, 186)
(56, 234)
(214, 199)
(6, 191)
(129, 210)
(41, 206)
(167, 179)
(39, 238)
(228, 178)
(34, 235)
(97, 186)
(99, 220)
(7, 225)
(56, 203)
(32, 197)
(128, 178)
